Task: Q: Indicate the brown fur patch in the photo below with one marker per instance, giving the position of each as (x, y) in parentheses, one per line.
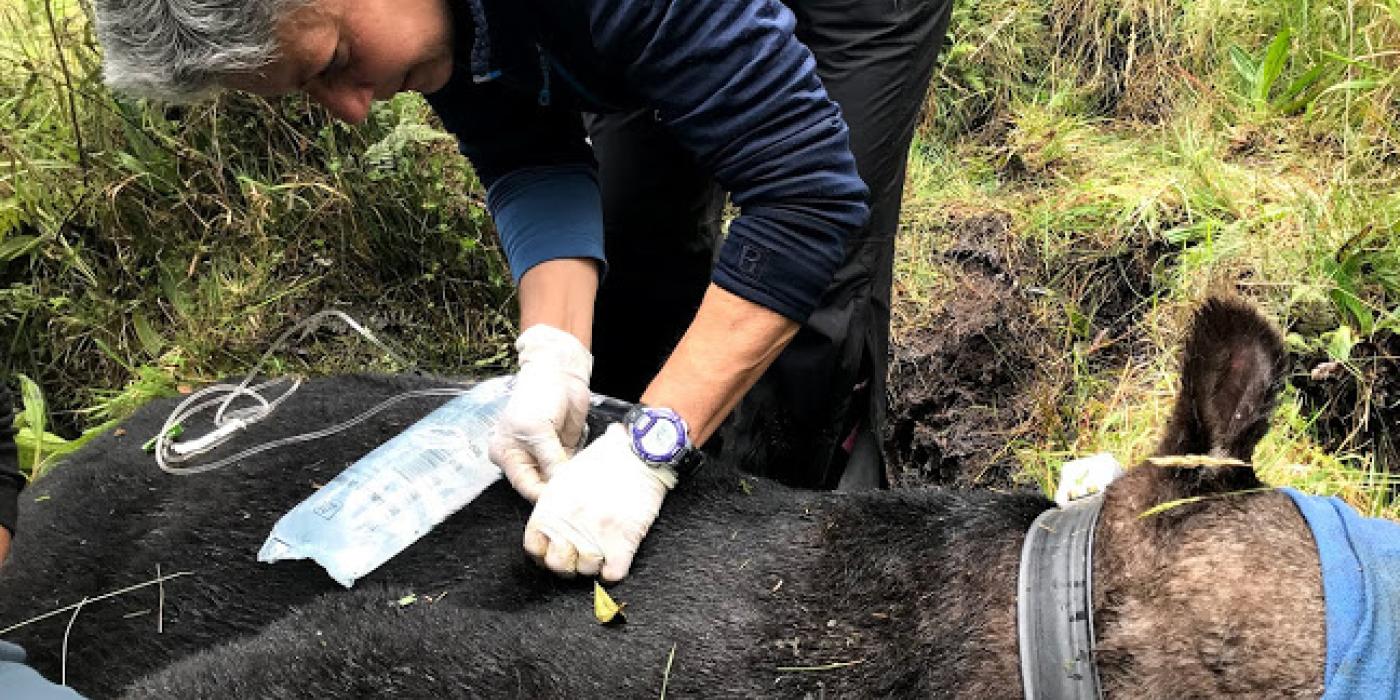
(1208, 599)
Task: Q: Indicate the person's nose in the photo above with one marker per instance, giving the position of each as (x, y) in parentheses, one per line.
(346, 102)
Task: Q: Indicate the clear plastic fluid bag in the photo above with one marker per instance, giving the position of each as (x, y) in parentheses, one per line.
(394, 495)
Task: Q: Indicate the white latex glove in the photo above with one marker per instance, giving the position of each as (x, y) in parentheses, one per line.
(596, 509)
(543, 422)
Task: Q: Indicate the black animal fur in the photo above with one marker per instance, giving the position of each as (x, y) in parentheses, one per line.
(761, 590)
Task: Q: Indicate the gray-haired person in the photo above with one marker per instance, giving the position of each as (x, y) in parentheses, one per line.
(606, 133)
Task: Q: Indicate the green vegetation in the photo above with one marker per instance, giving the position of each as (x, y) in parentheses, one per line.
(143, 248)
(1250, 145)
(1247, 146)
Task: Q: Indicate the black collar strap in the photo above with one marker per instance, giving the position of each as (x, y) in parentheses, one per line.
(1054, 604)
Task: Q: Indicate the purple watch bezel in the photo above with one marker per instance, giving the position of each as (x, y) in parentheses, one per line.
(636, 429)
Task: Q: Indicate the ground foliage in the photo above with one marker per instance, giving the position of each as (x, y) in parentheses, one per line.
(1086, 170)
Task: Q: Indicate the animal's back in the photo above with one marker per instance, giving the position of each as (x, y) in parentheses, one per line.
(745, 579)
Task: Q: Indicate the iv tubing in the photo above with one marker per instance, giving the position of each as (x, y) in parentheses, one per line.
(228, 422)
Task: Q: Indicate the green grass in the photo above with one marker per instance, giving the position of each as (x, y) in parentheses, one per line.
(1253, 142)
(142, 248)
(1248, 145)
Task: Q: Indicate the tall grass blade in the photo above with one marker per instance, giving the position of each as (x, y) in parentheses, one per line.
(1275, 58)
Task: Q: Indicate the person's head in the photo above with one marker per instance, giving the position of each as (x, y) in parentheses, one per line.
(343, 53)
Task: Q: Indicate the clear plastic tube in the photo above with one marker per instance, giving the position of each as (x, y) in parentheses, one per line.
(228, 421)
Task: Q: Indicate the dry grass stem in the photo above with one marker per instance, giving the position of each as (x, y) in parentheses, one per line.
(104, 596)
(63, 659)
(824, 667)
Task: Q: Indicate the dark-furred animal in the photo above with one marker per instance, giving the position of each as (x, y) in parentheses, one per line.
(743, 589)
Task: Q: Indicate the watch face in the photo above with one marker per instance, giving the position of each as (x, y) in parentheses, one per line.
(661, 439)
(658, 435)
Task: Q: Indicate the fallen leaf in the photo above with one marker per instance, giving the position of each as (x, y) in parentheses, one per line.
(605, 608)
(407, 600)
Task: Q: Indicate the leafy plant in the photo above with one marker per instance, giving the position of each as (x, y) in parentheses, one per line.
(1364, 273)
(38, 448)
(1261, 77)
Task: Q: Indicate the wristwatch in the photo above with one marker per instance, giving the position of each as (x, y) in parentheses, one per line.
(659, 437)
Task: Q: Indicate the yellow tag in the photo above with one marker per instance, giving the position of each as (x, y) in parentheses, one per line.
(604, 608)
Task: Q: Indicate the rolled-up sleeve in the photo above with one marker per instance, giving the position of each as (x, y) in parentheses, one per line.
(547, 213)
(733, 84)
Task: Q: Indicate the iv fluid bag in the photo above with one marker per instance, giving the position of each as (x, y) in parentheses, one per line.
(394, 495)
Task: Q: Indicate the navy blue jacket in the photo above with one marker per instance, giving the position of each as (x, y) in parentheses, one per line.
(726, 77)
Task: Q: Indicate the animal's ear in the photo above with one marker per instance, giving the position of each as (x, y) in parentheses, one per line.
(1232, 367)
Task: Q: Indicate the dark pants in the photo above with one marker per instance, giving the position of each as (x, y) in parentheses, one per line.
(662, 215)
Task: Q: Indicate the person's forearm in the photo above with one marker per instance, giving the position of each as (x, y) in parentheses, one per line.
(560, 293)
(727, 347)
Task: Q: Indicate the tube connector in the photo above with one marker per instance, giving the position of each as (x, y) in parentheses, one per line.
(209, 441)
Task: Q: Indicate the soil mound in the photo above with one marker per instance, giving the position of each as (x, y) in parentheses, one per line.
(959, 385)
(987, 367)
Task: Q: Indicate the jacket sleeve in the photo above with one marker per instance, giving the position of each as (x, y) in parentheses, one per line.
(547, 213)
(11, 481)
(537, 168)
(733, 84)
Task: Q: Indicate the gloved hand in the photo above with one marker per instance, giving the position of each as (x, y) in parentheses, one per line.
(543, 422)
(596, 509)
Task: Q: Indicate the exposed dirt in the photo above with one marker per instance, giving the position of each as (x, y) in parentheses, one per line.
(959, 387)
(1357, 409)
(976, 377)
(1113, 289)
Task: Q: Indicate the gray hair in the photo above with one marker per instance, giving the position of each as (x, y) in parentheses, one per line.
(178, 50)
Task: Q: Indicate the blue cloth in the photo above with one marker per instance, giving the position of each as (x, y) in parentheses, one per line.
(20, 682)
(726, 77)
(546, 214)
(1361, 584)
